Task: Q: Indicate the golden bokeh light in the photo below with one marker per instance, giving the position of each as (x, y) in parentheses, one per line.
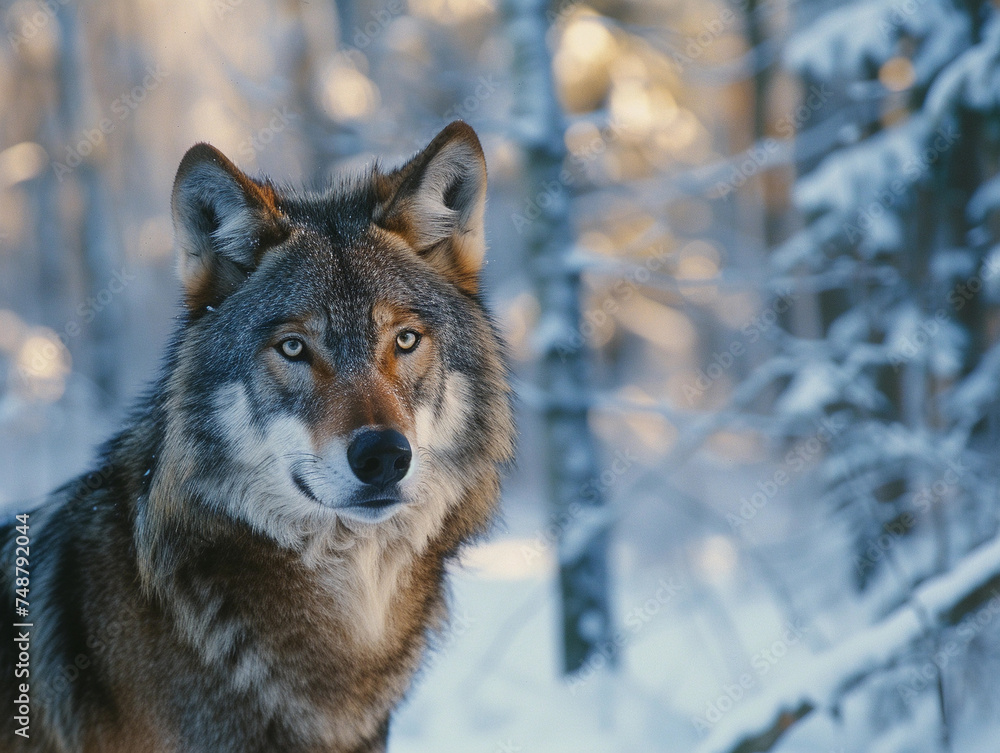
(661, 325)
(520, 320)
(631, 107)
(21, 162)
(701, 249)
(42, 366)
(587, 40)
(699, 262)
(347, 93)
(505, 158)
(716, 558)
(451, 12)
(696, 268)
(15, 218)
(585, 51)
(597, 242)
(683, 132)
(656, 434)
(897, 74)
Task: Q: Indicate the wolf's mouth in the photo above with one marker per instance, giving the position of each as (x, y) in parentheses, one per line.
(304, 488)
(377, 504)
(373, 504)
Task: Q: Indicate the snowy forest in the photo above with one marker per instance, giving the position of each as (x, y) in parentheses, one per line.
(745, 256)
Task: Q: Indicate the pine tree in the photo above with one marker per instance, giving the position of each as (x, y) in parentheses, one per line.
(898, 254)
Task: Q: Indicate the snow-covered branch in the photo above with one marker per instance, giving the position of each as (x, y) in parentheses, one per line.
(824, 679)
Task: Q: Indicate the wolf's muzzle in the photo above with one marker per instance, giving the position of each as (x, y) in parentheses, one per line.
(379, 458)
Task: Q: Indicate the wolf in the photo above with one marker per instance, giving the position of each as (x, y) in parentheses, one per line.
(257, 561)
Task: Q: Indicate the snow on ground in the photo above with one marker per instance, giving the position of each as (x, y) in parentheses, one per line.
(495, 684)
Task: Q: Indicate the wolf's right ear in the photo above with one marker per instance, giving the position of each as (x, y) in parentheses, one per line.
(223, 223)
(439, 202)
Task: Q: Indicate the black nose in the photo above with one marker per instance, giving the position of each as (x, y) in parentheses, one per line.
(379, 457)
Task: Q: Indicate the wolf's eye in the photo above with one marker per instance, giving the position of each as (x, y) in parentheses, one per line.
(407, 340)
(293, 348)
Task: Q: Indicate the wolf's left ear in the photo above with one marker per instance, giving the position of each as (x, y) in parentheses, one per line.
(224, 221)
(440, 202)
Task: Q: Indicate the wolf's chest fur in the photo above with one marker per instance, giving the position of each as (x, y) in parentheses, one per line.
(327, 643)
(258, 561)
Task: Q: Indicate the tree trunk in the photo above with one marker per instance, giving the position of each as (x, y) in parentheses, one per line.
(576, 504)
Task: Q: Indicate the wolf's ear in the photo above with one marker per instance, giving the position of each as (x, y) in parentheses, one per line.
(223, 223)
(440, 202)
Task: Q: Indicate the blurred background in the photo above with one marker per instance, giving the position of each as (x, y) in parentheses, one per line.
(745, 255)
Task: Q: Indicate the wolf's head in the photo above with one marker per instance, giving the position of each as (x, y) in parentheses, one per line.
(336, 368)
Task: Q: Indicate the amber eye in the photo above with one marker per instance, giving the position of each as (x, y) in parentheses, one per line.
(293, 348)
(407, 340)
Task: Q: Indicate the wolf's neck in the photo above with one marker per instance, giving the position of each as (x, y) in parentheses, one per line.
(369, 583)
